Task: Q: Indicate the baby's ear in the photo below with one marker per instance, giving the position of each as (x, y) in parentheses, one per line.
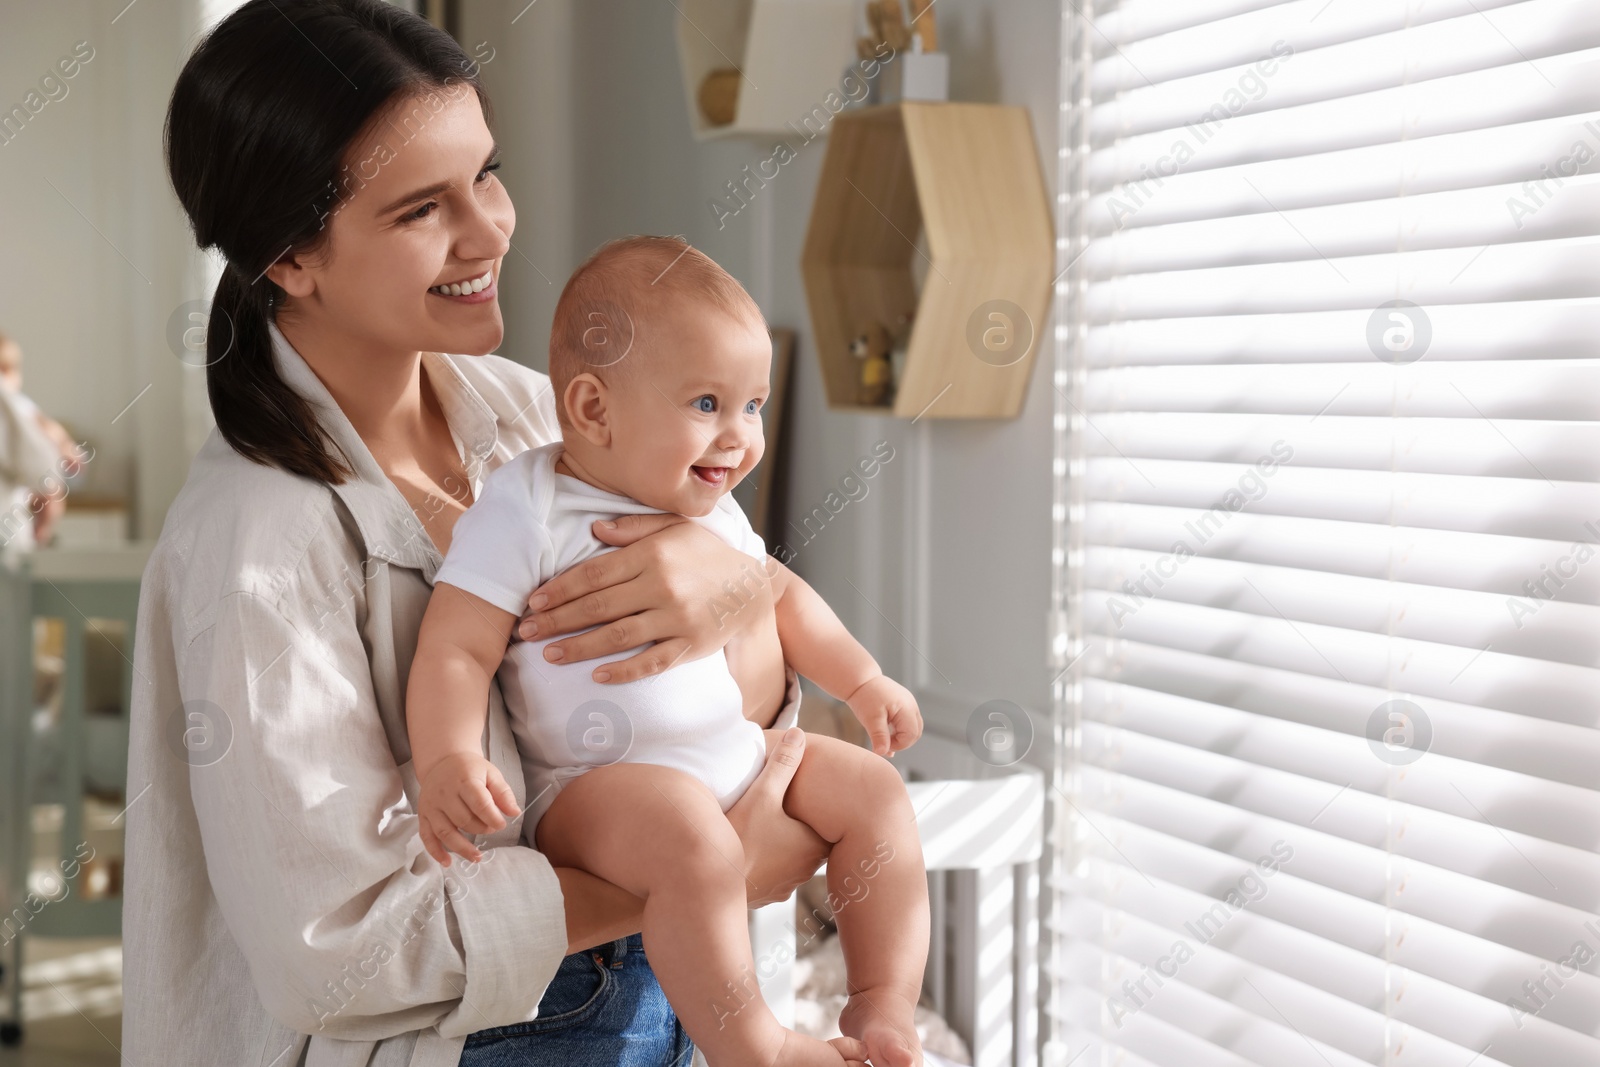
(588, 406)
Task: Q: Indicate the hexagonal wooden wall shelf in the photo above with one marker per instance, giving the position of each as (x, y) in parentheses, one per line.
(968, 174)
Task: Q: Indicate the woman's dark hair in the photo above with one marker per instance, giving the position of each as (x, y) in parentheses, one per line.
(257, 130)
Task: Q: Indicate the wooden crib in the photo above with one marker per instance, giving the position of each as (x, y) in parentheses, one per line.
(94, 593)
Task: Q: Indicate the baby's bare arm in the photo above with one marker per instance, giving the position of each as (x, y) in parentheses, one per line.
(458, 650)
(814, 641)
(462, 640)
(819, 647)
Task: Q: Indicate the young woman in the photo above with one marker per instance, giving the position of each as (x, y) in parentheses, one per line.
(279, 906)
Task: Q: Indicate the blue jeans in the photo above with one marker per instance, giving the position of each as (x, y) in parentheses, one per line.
(604, 1008)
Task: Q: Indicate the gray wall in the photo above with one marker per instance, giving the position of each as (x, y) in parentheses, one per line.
(943, 568)
(96, 252)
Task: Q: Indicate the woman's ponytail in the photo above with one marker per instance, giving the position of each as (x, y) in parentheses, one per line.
(256, 410)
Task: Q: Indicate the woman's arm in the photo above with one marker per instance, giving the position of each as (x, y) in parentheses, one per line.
(311, 848)
(673, 582)
(597, 910)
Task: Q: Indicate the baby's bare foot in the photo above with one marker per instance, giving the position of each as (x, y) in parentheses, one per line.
(801, 1051)
(886, 1023)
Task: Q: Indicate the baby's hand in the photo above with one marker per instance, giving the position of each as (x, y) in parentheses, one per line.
(889, 712)
(462, 792)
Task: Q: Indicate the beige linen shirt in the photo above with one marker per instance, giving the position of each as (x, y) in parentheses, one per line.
(279, 906)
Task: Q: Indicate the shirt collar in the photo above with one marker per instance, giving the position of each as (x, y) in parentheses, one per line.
(389, 528)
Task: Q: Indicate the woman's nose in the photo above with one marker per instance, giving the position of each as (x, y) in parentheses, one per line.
(482, 236)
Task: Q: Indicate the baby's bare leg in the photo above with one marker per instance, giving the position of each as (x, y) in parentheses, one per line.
(660, 834)
(856, 800)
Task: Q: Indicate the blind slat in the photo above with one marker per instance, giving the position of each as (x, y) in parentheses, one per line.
(1504, 155)
(1450, 1020)
(1355, 953)
(1545, 329)
(1467, 844)
(1516, 629)
(1286, 75)
(1334, 762)
(1484, 563)
(1473, 446)
(1363, 662)
(1265, 231)
(1271, 531)
(1511, 507)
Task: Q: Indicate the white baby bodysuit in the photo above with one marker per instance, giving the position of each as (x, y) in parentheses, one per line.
(529, 524)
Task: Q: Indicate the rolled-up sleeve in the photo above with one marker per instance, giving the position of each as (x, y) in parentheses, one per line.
(349, 928)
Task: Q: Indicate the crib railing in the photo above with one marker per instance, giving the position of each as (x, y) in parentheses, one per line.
(85, 589)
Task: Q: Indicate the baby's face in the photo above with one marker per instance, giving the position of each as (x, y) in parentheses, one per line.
(688, 419)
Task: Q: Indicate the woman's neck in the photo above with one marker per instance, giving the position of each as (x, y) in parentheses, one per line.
(380, 393)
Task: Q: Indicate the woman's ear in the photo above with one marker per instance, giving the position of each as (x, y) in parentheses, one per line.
(588, 409)
(291, 277)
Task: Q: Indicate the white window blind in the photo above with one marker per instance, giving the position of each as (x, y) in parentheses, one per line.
(1328, 535)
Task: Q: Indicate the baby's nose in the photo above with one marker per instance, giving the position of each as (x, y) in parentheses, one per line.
(734, 438)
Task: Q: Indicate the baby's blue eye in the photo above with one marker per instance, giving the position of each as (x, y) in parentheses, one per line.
(753, 407)
(707, 403)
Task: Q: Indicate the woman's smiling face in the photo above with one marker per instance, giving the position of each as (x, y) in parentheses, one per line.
(417, 208)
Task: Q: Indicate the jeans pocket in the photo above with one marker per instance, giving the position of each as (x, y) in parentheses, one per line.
(581, 987)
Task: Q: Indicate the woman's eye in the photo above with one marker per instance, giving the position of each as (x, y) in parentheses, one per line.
(707, 403)
(422, 212)
(752, 408)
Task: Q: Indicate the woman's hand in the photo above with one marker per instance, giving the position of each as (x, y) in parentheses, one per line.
(672, 582)
(780, 852)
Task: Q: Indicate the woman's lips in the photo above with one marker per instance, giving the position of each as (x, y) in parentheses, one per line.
(483, 296)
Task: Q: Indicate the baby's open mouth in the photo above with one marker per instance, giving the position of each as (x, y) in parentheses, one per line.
(712, 476)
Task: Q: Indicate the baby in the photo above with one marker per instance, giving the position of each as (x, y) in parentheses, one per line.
(24, 422)
(660, 364)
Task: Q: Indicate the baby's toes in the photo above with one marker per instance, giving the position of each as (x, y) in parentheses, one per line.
(887, 1047)
(853, 1051)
